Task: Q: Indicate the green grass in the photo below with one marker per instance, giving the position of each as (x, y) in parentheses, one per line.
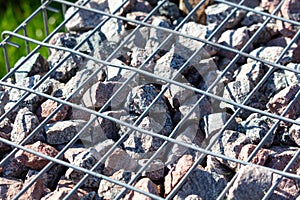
(12, 14)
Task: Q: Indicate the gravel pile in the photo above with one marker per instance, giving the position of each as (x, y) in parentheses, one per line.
(59, 124)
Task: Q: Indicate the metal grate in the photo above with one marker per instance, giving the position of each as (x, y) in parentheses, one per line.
(204, 150)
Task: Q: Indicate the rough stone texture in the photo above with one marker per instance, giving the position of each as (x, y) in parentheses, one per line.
(6, 126)
(48, 107)
(216, 13)
(252, 18)
(33, 161)
(279, 102)
(187, 7)
(282, 42)
(294, 133)
(260, 157)
(265, 35)
(72, 152)
(141, 97)
(85, 20)
(24, 124)
(214, 166)
(251, 71)
(99, 94)
(3, 146)
(282, 79)
(86, 159)
(289, 10)
(63, 188)
(140, 145)
(14, 169)
(170, 10)
(270, 54)
(197, 184)
(251, 183)
(109, 190)
(177, 172)
(114, 30)
(139, 56)
(230, 144)
(63, 131)
(35, 65)
(144, 184)
(119, 159)
(155, 170)
(35, 191)
(257, 128)
(198, 31)
(94, 41)
(4, 98)
(236, 39)
(9, 187)
(287, 189)
(67, 69)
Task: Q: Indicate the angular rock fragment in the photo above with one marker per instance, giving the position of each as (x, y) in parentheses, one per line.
(109, 190)
(294, 133)
(257, 128)
(72, 152)
(253, 18)
(100, 92)
(36, 64)
(177, 172)
(188, 6)
(286, 189)
(6, 126)
(48, 107)
(144, 184)
(260, 157)
(155, 170)
(35, 191)
(280, 101)
(251, 71)
(214, 166)
(86, 159)
(62, 131)
(9, 188)
(265, 34)
(170, 10)
(34, 161)
(86, 20)
(114, 30)
(216, 13)
(119, 159)
(24, 124)
(251, 183)
(14, 169)
(269, 5)
(93, 42)
(196, 184)
(230, 144)
(139, 56)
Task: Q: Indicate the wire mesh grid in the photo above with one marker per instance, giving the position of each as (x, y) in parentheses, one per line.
(208, 92)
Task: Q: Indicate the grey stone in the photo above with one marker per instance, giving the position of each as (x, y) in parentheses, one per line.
(99, 93)
(139, 56)
(141, 146)
(24, 124)
(114, 30)
(216, 13)
(144, 184)
(139, 39)
(253, 18)
(72, 152)
(115, 4)
(62, 39)
(36, 64)
(141, 97)
(118, 160)
(230, 144)
(214, 166)
(270, 54)
(155, 170)
(62, 131)
(86, 20)
(251, 71)
(251, 183)
(115, 73)
(170, 10)
(138, 16)
(265, 35)
(260, 158)
(278, 104)
(67, 69)
(4, 98)
(109, 190)
(257, 128)
(92, 42)
(196, 184)
(86, 159)
(294, 133)
(14, 169)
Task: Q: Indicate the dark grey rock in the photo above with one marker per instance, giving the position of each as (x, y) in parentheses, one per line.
(139, 39)
(294, 133)
(62, 39)
(3, 146)
(216, 13)
(196, 184)
(155, 170)
(62, 131)
(24, 124)
(141, 97)
(85, 20)
(170, 10)
(109, 190)
(230, 144)
(87, 159)
(35, 65)
(14, 169)
(251, 183)
(253, 18)
(67, 69)
(141, 5)
(115, 4)
(257, 128)
(142, 146)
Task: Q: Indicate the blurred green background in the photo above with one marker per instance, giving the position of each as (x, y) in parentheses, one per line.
(12, 14)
